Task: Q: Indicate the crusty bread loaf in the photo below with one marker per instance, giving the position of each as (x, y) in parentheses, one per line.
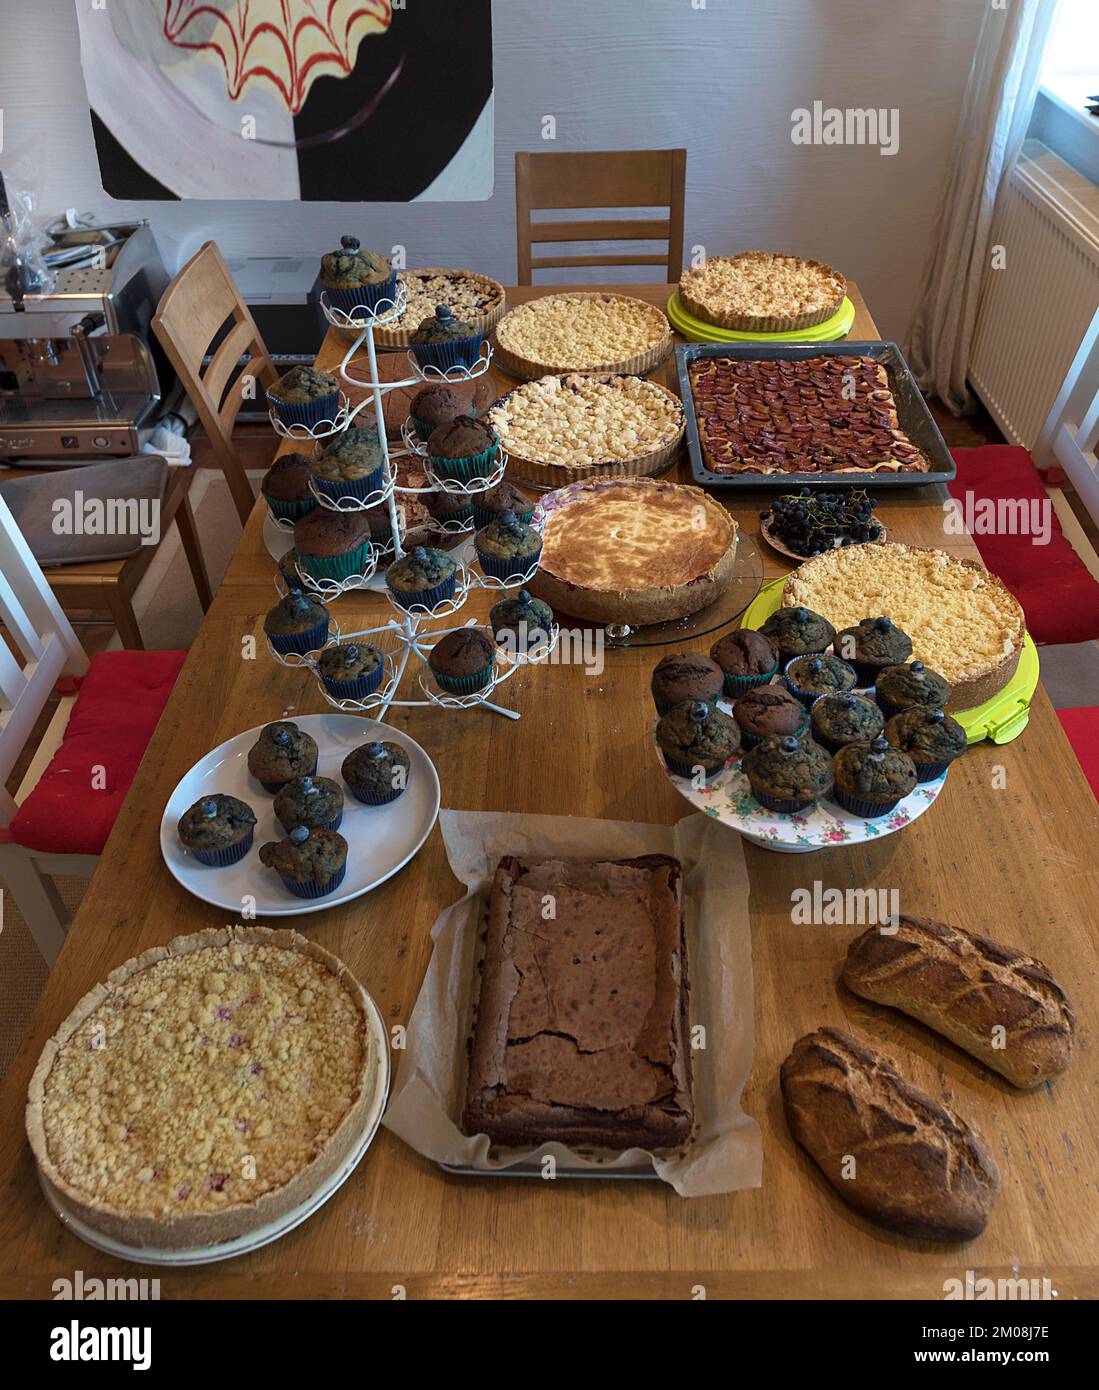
(890, 1150)
(965, 987)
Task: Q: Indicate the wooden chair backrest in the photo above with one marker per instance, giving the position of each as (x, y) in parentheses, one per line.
(198, 304)
(600, 179)
(38, 646)
(1070, 436)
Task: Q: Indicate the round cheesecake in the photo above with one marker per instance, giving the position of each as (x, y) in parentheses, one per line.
(634, 551)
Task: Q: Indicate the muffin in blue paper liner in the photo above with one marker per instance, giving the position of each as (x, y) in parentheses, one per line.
(837, 720)
(507, 548)
(445, 342)
(463, 661)
(871, 646)
(872, 779)
(351, 670)
(288, 569)
(311, 862)
(359, 488)
(423, 578)
(315, 802)
(788, 774)
(217, 830)
(281, 754)
(305, 396)
(929, 737)
(816, 674)
(376, 773)
(914, 686)
(298, 624)
(696, 734)
(354, 278)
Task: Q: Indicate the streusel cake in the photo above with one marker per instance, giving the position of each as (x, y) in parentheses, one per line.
(582, 332)
(761, 292)
(206, 1088)
(473, 298)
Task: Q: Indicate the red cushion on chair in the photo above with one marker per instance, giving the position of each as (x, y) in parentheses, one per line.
(1082, 728)
(79, 796)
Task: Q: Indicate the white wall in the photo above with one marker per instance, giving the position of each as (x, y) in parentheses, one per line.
(721, 80)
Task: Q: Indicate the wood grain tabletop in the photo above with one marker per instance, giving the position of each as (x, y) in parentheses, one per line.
(1009, 850)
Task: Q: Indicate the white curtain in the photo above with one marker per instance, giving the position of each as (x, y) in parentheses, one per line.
(999, 99)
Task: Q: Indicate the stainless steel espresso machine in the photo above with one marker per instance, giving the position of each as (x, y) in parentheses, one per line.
(80, 374)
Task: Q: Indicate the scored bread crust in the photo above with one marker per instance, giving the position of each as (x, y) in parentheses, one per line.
(205, 1228)
(655, 582)
(964, 986)
(918, 1168)
(706, 301)
(808, 585)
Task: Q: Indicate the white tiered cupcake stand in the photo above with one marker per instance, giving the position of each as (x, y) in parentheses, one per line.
(405, 635)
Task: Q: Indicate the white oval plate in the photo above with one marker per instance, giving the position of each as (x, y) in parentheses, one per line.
(381, 839)
(263, 1235)
(728, 798)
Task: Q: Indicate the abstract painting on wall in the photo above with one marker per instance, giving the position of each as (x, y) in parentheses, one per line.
(314, 100)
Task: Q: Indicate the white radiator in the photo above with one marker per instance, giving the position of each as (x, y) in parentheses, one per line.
(1034, 312)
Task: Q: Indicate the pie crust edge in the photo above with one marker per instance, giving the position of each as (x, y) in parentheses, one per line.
(763, 323)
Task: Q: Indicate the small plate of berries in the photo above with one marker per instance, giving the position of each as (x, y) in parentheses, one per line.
(802, 524)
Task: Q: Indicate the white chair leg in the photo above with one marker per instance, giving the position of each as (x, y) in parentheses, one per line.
(36, 896)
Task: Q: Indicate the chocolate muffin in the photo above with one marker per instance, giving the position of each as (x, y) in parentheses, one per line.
(521, 622)
(288, 568)
(747, 659)
(282, 753)
(462, 449)
(352, 465)
(354, 278)
(810, 677)
(504, 497)
(377, 773)
(462, 661)
(305, 396)
(332, 545)
(434, 406)
(899, 688)
(508, 547)
(694, 735)
(217, 830)
(297, 623)
(450, 508)
(351, 670)
(315, 802)
(836, 720)
(685, 676)
(796, 631)
(424, 578)
(444, 341)
(767, 710)
(930, 738)
(872, 779)
(285, 487)
(310, 862)
(872, 645)
(788, 774)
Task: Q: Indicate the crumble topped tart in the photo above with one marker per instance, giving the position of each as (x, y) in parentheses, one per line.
(582, 424)
(634, 551)
(205, 1089)
(472, 298)
(962, 621)
(762, 292)
(827, 414)
(563, 333)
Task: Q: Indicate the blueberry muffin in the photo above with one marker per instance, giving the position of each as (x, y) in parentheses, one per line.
(462, 662)
(434, 406)
(443, 341)
(297, 623)
(696, 734)
(930, 738)
(521, 621)
(788, 774)
(377, 773)
(288, 568)
(462, 449)
(285, 487)
(767, 710)
(305, 396)
(332, 545)
(353, 465)
(423, 578)
(504, 497)
(796, 631)
(685, 676)
(810, 677)
(351, 670)
(354, 278)
(836, 720)
(311, 863)
(899, 688)
(872, 645)
(315, 802)
(282, 753)
(508, 547)
(746, 658)
(872, 779)
(217, 830)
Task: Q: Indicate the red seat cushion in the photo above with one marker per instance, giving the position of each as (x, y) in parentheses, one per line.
(1082, 728)
(79, 796)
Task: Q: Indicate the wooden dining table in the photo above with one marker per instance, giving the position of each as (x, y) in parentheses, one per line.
(1008, 850)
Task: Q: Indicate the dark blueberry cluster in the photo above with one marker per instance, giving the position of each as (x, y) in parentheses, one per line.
(809, 523)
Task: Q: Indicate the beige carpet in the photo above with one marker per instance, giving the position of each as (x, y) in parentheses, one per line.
(169, 614)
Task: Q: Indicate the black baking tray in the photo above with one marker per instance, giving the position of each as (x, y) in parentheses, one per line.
(912, 414)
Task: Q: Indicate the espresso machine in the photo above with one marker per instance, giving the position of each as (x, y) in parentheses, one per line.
(81, 376)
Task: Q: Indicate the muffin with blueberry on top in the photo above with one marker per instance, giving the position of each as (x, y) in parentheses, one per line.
(297, 623)
(508, 547)
(788, 774)
(796, 631)
(351, 670)
(310, 862)
(872, 779)
(837, 720)
(217, 830)
(315, 802)
(810, 677)
(696, 736)
(913, 686)
(930, 738)
(872, 645)
(376, 772)
(423, 578)
(282, 753)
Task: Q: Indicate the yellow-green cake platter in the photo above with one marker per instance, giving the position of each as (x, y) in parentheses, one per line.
(697, 330)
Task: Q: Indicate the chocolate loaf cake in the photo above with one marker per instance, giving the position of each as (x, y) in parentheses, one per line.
(582, 1024)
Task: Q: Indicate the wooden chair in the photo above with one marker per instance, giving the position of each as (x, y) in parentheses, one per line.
(1070, 436)
(607, 179)
(201, 302)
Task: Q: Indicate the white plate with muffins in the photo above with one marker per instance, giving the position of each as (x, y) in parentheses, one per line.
(381, 840)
